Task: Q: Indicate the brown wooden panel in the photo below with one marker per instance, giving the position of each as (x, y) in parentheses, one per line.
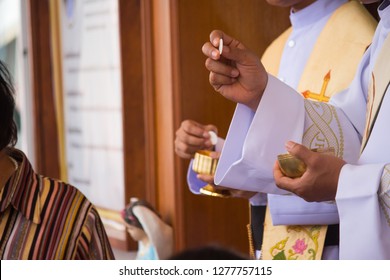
(213, 220)
(137, 86)
(169, 198)
(132, 98)
(47, 151)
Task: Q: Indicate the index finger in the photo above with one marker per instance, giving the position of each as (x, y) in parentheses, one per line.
(212, 49)
(194, 128)
(282, 181)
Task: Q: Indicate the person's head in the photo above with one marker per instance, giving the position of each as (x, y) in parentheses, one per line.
(296, 5)
(8, 131)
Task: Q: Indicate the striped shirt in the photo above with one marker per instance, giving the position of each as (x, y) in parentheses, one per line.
(46, 219)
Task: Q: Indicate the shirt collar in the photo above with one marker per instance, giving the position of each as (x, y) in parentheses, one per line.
(22, 190)
(314, 12)
(384, 13)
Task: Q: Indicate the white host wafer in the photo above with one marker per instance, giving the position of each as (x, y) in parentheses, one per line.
(220, 46)
(213, 137)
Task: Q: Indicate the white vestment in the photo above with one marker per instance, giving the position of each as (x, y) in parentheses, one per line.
(256, 138)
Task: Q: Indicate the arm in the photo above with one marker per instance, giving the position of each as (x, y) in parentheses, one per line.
(239, 76)
(256, 138)
(258, 133)
(93, 241)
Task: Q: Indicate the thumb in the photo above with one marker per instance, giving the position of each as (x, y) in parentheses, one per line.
(298, 150)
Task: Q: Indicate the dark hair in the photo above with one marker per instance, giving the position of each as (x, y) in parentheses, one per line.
(8, 131)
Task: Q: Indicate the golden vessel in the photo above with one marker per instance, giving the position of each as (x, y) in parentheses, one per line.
(204, 164)
(293, 167)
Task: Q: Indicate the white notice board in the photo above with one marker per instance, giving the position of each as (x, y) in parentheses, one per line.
(93, 99)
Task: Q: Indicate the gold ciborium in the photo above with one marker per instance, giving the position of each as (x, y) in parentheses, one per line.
(204, 164)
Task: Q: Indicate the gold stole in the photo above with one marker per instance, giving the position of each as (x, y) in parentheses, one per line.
(378, 85)
(330, 69)
(338, 50)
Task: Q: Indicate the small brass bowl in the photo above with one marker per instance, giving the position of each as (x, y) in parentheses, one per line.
(204, 164)
(293, 167)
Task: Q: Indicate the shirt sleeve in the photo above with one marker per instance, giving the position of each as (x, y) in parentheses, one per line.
(93, 241)
(193, 182)
(256, 138)
(364, 211)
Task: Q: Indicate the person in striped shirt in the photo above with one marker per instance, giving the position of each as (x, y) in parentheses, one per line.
(41, 218)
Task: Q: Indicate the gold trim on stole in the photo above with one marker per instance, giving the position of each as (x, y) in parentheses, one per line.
(273, 54)
(384, 193)
(379, 82)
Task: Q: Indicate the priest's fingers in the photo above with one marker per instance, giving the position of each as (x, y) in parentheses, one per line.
(216, 35)
(222, 68)
(218, 81)
(190, 139)
(227, 40)
(282, 181)
(300, 151)
(193, 133)
(209, 179)
(184, 150)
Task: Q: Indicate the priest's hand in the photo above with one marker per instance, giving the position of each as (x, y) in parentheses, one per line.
(191, 137)
(233, 192)
(237, 74)
(319, 182)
